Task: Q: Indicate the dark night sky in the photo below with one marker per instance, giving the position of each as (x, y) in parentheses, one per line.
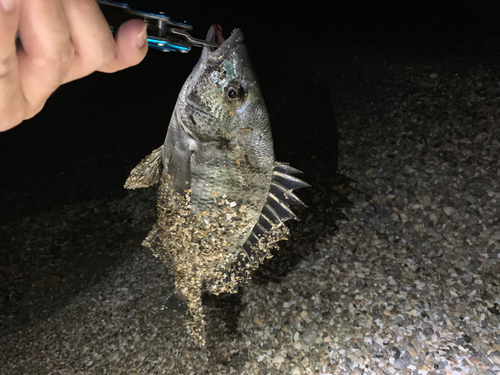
(93, 131)
(345, 20)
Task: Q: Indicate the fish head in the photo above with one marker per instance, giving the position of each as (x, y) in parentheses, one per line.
(221, 100)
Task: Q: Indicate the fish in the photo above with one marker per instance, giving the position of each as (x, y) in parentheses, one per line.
(222, 198)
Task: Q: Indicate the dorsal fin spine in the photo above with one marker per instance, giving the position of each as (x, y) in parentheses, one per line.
(289, 181)
(290, 198)
(280, 197)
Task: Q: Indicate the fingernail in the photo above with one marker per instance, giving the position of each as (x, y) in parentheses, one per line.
(141, 39)
(8, 5)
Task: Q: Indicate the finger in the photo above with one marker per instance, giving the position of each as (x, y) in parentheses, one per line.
(91, 36)
(47, 51)
(12, 104)
(131, 46)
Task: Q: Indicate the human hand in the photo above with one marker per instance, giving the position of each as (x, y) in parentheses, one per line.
(62, 40)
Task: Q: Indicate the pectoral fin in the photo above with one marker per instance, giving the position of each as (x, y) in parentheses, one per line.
(147, 173)
(179, 168)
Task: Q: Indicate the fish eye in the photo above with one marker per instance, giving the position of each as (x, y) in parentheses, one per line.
(234, 93)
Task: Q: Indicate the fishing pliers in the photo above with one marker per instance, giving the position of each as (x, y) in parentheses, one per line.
(164, 34)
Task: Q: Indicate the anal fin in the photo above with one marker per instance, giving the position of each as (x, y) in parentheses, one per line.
(152, 240)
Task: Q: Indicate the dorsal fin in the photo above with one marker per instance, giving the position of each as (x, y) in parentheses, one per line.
(288, 181)
(280, 197)
(285, 195)
(270, 228)
(269, 212)
(281, 208)
(285, 168)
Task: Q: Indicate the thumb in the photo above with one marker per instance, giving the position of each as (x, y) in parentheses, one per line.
(131, 46)
(12, 104)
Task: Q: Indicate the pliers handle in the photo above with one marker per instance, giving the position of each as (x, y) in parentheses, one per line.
(164, 34)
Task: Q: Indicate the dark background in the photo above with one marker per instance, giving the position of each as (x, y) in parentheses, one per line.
(80, 149)
(93, 131)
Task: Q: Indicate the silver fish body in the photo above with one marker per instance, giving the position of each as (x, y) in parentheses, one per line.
(222, 197)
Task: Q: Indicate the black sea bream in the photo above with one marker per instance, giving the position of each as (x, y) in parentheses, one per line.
(222, 198)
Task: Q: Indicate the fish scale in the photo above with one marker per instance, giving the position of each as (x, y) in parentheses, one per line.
(222, 198)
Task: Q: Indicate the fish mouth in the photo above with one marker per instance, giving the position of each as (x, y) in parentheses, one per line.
(217, 36)
(225, 46)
